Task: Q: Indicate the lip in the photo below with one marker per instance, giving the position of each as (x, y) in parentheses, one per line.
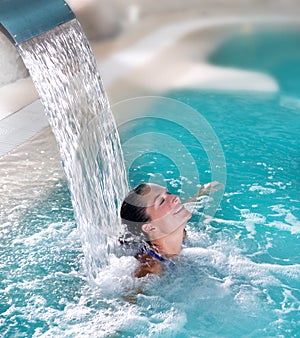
(177, 211)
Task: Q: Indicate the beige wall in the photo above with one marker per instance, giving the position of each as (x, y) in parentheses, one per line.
(213, 7)
(102, 19)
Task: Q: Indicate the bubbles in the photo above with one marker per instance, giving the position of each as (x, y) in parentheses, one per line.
(197, 207)
(117, 278)
(262, 190)
(64, 71)
(240, 275)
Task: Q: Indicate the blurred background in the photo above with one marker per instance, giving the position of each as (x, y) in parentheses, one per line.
(110, 20)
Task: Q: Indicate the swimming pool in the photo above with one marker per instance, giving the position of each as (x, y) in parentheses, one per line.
(239, 274)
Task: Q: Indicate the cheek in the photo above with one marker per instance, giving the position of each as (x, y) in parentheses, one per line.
(166, 209)
(162, 212)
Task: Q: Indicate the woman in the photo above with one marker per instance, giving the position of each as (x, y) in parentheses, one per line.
(158, 219)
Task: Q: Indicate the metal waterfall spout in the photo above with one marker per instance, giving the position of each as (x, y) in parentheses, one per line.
(64, 71)
(22, 20)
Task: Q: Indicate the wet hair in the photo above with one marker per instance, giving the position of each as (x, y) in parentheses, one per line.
(133, 210)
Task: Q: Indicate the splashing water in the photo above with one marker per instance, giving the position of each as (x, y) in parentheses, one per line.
(237, 277)
(65, 74)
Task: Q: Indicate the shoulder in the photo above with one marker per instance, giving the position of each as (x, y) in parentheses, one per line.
(148, 264)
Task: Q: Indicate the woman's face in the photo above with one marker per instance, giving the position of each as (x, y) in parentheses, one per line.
(166, 211)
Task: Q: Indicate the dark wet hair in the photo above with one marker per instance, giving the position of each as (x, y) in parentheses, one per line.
(133, 210)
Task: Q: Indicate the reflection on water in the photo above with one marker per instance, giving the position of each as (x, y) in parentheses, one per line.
(237, 276)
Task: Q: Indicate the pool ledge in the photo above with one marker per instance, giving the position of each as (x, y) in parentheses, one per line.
(22, 118)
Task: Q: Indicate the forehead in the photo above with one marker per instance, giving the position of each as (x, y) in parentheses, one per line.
(152, 193)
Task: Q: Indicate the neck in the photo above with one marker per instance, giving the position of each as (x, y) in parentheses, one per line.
(169, 245)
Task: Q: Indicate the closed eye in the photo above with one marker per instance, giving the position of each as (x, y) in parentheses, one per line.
(163, 199)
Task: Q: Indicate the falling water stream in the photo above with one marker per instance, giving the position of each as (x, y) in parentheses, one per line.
(65, 74)
(238, 273)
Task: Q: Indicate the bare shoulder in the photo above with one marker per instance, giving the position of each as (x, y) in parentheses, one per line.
(148, 264)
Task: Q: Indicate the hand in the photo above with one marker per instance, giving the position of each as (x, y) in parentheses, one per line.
(209, 188)
(206, 189)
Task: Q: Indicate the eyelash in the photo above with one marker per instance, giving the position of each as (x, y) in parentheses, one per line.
(163, 199)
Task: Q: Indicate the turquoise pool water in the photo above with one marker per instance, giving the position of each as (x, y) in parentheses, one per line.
(239, 272)
(239, 275)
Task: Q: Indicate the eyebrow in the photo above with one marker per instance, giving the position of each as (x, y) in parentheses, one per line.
(158, 196)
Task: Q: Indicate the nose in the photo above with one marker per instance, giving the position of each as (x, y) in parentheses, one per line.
(175, 199)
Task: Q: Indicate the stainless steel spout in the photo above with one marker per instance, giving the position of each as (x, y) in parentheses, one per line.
(21, 20)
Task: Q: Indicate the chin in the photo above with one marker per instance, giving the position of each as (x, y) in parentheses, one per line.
(188, 214)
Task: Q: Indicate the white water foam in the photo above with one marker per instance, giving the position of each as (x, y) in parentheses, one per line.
(65, 74)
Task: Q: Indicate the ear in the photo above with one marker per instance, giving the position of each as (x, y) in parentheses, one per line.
(148, 227)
